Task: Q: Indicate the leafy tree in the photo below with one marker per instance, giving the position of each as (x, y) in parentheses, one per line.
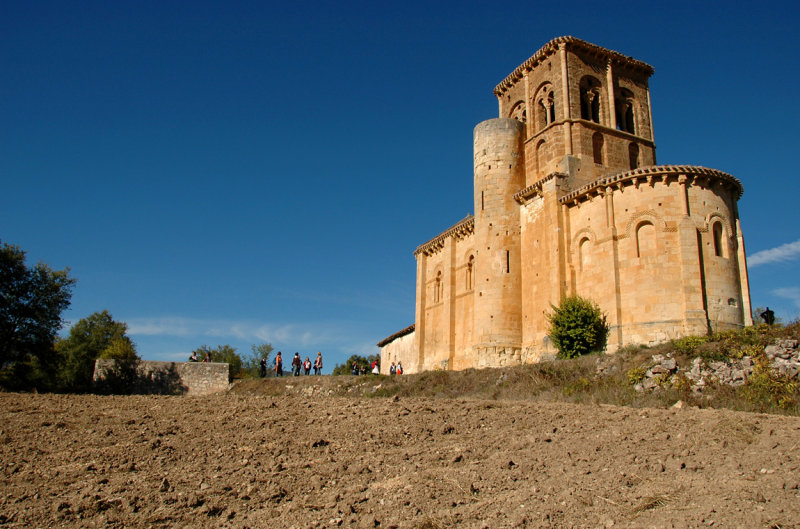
(251, 366)
(120, 348)
(361, 361)
(31, 303)
(97, 336)
(578, 327)
(223, 354)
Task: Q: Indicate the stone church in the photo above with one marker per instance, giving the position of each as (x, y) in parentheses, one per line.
(569, 199)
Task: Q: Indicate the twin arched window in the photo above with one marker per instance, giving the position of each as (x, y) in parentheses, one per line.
(438, 288)
(545, 106)
(590, 98)
(624, 105)
(519, 112)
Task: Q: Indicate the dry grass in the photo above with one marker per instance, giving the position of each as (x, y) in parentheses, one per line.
(429, 523)
(653, 502)
(595, 379)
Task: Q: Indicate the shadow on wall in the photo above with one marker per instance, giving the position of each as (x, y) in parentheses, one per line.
(133, 377)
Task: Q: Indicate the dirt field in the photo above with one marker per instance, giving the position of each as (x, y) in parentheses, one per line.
(313, 462)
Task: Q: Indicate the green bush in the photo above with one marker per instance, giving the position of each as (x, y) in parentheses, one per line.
(577, 327)
(636, 375)
(767, 387)
(688, 344)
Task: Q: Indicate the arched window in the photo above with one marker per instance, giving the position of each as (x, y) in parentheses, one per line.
(583, 253)
(437, 288)
(470, 271)
(633, 155)
(720, 248)
(645, 239)
(541, 152)
(590, 99)
(625, 111)
(519, 112)
(597, 147)
(545, 106)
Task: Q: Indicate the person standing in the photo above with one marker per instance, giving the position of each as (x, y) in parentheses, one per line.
(296, 363)
(307, 366)
(318, 363)
(399, 368)
(392, 369)
(278, 365)
(262, 365)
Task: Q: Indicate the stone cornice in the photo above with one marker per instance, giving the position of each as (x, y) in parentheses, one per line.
(649, 175)
(535, 188)
(459, 230)
(570, 42)
(395, 336)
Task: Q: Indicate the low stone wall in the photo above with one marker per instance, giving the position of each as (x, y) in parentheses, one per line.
(154, 377)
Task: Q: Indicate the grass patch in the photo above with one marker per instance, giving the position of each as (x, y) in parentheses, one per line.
(596, 379)
(653, 502)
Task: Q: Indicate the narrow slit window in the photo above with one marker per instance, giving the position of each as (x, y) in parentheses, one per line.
(508, 262)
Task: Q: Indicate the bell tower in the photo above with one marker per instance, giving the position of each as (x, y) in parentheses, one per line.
(586, 111)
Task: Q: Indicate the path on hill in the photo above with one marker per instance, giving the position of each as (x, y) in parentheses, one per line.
(314, 462)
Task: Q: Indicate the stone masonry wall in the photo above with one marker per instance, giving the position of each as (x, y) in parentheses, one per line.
(401, 350)
(190, 378)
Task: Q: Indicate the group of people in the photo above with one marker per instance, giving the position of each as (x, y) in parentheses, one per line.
(193, 358)
(298, 365)
(375, 368)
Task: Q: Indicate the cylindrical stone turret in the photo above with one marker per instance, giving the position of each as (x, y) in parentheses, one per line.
(499, 173)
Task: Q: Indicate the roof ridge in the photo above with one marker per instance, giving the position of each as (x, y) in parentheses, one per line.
(550, 48)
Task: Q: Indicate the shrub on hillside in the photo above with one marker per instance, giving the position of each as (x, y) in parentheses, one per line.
(578, 327)
(767, 386)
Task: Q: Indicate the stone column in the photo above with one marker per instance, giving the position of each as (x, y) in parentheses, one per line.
(650, 113)
(450, 299)
(744, 281)
(611, 224)
(419, 325)
(562, 53)
(695, 316)
(529, 109)
(612, 104)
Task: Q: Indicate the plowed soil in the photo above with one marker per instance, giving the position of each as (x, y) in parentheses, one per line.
(312, 462)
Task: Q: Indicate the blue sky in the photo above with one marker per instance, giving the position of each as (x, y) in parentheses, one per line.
(239, 172)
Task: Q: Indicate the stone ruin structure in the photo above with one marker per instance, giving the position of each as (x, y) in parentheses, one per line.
(170, 378)
(569, 200)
